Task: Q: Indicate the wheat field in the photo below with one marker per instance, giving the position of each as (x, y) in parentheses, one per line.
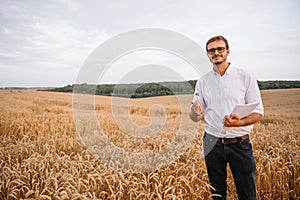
(43, 157)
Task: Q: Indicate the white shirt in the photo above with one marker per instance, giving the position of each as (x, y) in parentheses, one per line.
(219, 94)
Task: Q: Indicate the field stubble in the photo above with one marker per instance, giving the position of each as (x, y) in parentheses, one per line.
(42, 156)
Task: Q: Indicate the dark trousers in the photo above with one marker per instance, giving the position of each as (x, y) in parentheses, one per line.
(239, 156)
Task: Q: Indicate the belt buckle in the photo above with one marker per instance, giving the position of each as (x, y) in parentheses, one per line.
(222, 140)
(225, 140)
(229, 140)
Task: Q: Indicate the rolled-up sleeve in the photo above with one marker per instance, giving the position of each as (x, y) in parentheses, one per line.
(198, 94)
(253, 95)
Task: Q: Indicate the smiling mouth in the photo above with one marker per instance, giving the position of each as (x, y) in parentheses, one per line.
(216, 57)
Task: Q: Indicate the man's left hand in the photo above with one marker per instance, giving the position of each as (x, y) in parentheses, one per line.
(232, 120)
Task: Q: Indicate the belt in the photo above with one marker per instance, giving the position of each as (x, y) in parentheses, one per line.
(232, 140)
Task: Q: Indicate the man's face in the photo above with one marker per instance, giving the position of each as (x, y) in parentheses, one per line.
(217, 52)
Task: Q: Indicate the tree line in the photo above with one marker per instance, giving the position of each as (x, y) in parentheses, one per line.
(139, 90)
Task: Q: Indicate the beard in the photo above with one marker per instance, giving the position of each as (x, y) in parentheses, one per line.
(219, 62)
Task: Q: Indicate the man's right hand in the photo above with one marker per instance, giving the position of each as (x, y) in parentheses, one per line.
(196, 111)
(196, 108)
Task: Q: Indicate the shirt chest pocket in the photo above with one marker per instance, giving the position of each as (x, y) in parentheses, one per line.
(214, 96)
(236, 94)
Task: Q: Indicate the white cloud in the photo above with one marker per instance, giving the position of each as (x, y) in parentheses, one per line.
(59, 35)
(8, 55)
(60, 43)
(5, 30)
(129, 67)
(71, 5)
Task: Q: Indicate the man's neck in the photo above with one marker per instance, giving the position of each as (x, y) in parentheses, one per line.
(221, 68)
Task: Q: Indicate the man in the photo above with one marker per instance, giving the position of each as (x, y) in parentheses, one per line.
(216, 94)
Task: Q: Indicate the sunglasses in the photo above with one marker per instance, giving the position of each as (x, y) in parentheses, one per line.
(213, 50)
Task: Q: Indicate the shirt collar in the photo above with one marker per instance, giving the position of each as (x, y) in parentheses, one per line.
(228, 70)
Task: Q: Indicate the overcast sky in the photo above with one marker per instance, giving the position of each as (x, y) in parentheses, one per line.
(45, 43)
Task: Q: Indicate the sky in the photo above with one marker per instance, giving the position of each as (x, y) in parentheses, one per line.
(46, 43)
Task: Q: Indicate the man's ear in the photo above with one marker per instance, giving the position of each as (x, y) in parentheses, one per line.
(228, 51)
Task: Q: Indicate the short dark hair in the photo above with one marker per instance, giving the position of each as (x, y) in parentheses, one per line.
(215, 38)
